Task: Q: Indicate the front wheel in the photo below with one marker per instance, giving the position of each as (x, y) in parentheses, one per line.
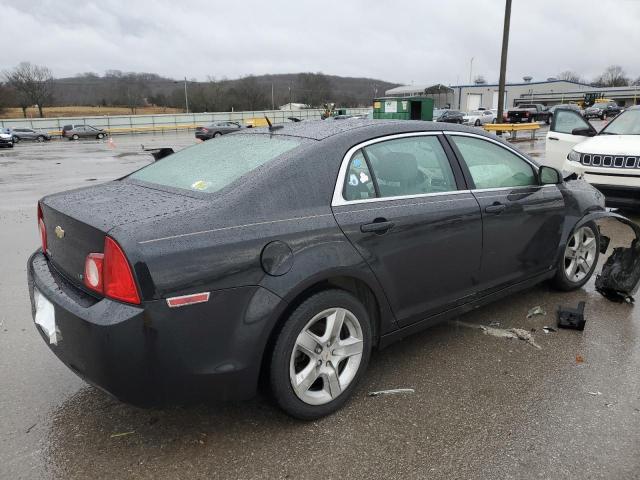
(579, 259)
(16, 139)
(40, 138)
(320, 354)
(217, 134)
(100, 136)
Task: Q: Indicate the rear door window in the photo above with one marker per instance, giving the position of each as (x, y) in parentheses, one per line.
(211, 166)
(411, 166)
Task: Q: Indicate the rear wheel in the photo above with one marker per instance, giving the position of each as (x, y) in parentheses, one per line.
(320, 355)
(40, 138)
(579, 259)
(217, 134)
(75, 137)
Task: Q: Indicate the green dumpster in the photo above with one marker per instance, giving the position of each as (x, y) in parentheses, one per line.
(403, 108)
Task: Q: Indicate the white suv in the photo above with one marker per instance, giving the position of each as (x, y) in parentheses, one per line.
(609, 159)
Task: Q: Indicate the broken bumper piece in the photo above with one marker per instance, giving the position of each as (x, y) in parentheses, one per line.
(620, 276)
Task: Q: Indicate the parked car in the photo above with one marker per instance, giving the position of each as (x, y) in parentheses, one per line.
(570, 106)
(20, 134)
(609, 160)
(74, 132)
(216, 129)
(290, 254)
(603, 110)
(479, 117)
(448, 116)
(6, 140)
(529, 112)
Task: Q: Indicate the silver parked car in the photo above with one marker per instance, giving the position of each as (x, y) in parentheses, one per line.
(74, 132)
(20, 134)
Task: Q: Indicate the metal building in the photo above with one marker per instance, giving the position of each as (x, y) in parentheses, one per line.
(550, 92)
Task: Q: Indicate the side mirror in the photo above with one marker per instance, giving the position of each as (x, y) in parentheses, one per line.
(584, 132)
(549, 176)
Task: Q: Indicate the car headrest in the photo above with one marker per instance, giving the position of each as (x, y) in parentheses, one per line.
(398, 167)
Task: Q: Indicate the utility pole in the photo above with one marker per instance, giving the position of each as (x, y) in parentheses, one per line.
(273, 105)
(503, 60)
(471, 71)
(186, 98)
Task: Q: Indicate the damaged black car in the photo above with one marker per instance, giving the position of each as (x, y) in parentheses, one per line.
(288, 255)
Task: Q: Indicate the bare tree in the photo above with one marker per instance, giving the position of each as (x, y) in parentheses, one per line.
(34, 85)
(315, 88)
(250, 94)
(613, 76)
(570, 76)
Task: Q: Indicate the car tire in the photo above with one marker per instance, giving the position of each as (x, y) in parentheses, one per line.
(16, 139)
(217, 134)
(494, 121)
(40, 138)
(583, 247)
(100, 136)
(477, 124)
(300, 347)
(75, 137)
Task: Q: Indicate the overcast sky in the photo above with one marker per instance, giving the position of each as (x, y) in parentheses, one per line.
(420, 41)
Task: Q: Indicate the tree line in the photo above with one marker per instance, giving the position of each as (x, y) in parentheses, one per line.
(30, 85)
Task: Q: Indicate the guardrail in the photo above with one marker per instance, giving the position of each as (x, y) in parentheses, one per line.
(513, 129)
(116, 124)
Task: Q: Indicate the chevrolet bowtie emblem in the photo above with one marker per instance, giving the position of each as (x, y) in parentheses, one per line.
(59, 231)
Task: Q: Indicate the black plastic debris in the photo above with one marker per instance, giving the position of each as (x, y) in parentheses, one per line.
(620, 276)
(571, 317)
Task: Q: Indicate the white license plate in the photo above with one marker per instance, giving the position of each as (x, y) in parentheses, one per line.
(45, 316)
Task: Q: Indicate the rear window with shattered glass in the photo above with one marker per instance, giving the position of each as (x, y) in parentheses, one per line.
(216, 163)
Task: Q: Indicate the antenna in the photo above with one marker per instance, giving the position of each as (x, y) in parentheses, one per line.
(271, 126)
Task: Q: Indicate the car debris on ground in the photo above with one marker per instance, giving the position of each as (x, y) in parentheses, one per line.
(572, 317)
(536, 311)
(517, 333)
(619, 278)
(393, 391)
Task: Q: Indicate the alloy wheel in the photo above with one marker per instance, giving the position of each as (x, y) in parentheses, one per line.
(326, 356)
(580, 254)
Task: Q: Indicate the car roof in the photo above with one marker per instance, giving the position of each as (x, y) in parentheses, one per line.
(362, 127)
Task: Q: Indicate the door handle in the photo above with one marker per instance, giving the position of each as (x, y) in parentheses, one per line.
(553, 138)
(378, 226)
(495, 208)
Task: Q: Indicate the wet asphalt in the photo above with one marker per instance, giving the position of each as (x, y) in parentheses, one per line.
(483, 407)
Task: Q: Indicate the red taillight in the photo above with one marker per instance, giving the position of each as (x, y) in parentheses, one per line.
(118, 278)
(42, 229)
(109, 273)
(205, 129)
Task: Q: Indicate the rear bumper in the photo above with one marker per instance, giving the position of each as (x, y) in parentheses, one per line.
(203, 136)
(152, 354)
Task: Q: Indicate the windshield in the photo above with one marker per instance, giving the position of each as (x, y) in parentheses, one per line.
(627, 123)
(214, 164)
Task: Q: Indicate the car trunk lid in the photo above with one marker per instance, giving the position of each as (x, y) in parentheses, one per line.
(77, 222)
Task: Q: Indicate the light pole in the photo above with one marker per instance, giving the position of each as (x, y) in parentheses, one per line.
(503, 60)
(186, 98)
(471, 71)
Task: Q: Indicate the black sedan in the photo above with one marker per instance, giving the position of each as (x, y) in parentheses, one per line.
(448, 116)
(216, 130)
(288, 255)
